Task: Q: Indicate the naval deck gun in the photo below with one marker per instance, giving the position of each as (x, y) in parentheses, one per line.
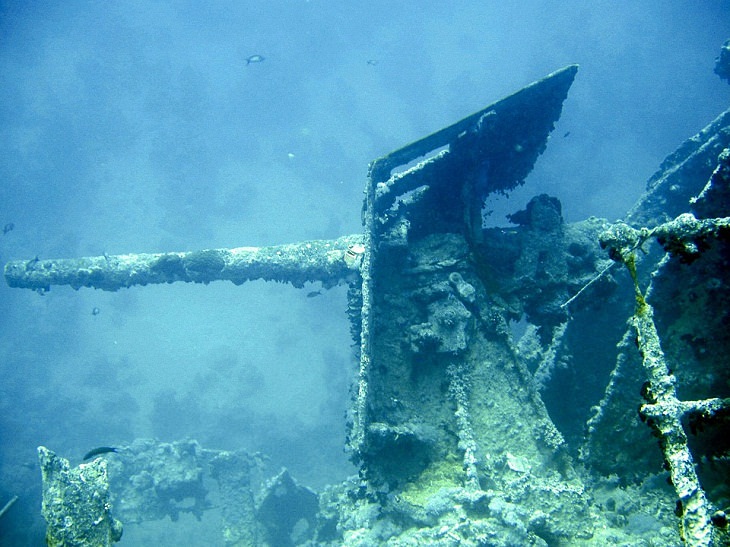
(448, 424)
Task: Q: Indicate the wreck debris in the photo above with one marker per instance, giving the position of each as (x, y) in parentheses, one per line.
(548, 358)
(155, 480)
(722, 63)
(662, 410)
(326, 261)
(8, 505)
(685, 237)
(287, 511)
(544, 261)
(453, 439)
(459, 391)
(716, 193)
(663, 413)
(690, 302)
(77, 502)
(235, 474)
(681, 175)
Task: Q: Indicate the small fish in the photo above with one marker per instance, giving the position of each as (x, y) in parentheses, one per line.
(566, 134)
(313, 294)
(255, 59)
(372, 62)
(95, 311)
(99, 451)
(9, 227)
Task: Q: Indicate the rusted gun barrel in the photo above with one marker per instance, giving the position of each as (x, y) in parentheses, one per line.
(329, 261)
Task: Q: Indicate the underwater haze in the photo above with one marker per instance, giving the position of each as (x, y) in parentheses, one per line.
(151, 126)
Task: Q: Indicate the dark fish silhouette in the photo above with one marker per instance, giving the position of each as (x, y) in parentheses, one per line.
(313, 294)
(9, 227)
(99, 451)
(254, 59)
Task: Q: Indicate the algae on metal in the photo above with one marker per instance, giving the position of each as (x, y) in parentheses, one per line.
(690, 296)
(686, 238)
(662, 410)
(77, 502)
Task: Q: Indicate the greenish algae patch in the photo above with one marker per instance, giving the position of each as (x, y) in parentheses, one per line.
(447, 473)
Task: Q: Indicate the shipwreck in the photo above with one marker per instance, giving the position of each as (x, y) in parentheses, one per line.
(492, 404)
